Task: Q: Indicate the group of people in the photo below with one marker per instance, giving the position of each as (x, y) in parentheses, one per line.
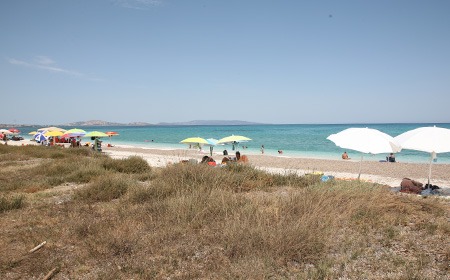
(226, 160)
(262, 150)
(390, 158)
(4, 137)
(208, 160)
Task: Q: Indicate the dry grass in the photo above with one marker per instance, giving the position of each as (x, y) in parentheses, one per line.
(11, 202)
(121, 219)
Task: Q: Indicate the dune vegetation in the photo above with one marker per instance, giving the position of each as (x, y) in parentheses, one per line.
(104, 218)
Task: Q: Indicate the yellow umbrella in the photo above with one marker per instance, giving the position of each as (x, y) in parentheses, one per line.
(96, 134)
(234, 140)
(33, 133)
(54, 133)
(195, 140)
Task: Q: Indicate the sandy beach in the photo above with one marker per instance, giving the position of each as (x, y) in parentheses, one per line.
(390, 174)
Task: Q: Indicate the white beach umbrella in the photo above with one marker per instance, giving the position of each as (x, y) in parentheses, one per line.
(431, 139)
(51, 128)
(5, 131)
(365, 140)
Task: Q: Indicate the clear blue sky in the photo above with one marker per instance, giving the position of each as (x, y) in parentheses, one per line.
(254, 60)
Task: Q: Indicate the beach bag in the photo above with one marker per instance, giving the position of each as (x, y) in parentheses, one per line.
(430, 186)
(411, 186)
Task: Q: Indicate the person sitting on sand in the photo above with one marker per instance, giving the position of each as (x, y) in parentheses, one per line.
(205, 159)
(345, 156)
(390, 158)
(225, 160)
(211, 162)
(243, 159)
(240, 159)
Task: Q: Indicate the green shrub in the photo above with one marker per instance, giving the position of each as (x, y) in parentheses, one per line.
(105, 188)
(141, 194)
(86, 170)
(294, 180)
(82, 151)
(10, 203)
(131, 165)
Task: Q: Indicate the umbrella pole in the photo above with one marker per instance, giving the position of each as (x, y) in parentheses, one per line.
(429, 171)
(210, 150)
(360, 163)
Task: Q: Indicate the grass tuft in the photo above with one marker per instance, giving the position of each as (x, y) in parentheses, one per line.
(131, 165)
(11, 203)
(105, 188)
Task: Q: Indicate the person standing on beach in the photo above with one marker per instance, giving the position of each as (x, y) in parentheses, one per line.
(262, 149)
(5, 138)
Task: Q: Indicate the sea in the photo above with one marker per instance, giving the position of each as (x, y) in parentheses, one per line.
(295, 140)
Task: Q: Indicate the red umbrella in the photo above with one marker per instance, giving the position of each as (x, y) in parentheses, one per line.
(110, 134)
(14, 130)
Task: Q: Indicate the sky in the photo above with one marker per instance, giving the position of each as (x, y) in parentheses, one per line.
(266, 61)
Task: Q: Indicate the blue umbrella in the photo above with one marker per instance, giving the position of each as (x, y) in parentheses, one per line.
(211, 143)
(40, 137)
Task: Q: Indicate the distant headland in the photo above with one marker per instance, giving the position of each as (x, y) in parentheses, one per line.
(106, 123)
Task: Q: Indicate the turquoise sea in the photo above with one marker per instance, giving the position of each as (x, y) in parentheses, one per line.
(295, 140)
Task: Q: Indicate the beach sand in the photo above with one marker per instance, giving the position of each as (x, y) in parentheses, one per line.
(385, 173)
(390, 174)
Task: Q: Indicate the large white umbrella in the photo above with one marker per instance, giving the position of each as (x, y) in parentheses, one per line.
(5, 131)
(431, 139)
(365, 140)
(51, 128)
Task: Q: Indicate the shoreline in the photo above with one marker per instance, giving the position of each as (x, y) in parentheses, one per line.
(355, 156)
